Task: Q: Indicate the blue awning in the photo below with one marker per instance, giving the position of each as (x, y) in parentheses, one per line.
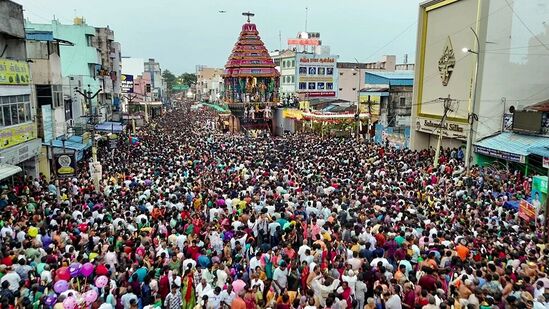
(510, 146)
(540, 151)
(74, 143)
(108, 126)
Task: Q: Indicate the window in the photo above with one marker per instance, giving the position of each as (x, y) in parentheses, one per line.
(14, 110)
(293, 63)
(93, 70)
(57, 95)
(312, 71)
(89, 40)
(292, 79)
(321, 71)
(312, 86)
(402, 102)
(330, 86)
(329, 71)
(283, 64)
(320, 86)
(303, 70)
(302, 86)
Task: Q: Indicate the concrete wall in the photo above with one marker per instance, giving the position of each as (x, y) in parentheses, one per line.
(11, 19)
(75, 60)
(512, 63)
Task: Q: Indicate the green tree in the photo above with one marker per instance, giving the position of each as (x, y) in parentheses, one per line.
(187, 79)
(169, 79)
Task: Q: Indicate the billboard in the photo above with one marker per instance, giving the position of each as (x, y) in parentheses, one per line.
(539, 192)
(526, 211)
(317, 75)
(14, 72)
(65, 165)
(528, 122)
(12, 136)
(126, 83)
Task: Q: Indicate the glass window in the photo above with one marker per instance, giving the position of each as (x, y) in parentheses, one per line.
(27, 112)
(7, 115)
(13, 99)
(21, 111)
(403, 102)
(14, 116)
(293, 63)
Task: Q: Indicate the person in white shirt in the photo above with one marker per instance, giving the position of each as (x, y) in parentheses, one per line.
(203, 289)
(227, 296)
(255, 261)
(45, 276)
(12, 278)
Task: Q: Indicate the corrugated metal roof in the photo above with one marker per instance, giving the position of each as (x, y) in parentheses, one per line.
(519, 144)
(394, 75)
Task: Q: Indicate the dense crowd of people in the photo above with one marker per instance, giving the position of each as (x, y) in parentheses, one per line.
(186, 217)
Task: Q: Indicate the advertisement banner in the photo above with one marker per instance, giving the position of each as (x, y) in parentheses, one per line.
(65, 165)
(126, 83)
(16, 135)
(292, 113)
(539, 192)
(14, 72)
(526, 211)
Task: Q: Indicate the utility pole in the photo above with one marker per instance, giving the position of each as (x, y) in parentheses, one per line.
(96, 169)
(442, 126)
(472, 117)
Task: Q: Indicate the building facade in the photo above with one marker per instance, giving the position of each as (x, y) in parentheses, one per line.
(388, 97)
(80, 65)
(19, 143)
(505, 67)
(110, 70)
(158, 88)
(286, 64)
(209, 83)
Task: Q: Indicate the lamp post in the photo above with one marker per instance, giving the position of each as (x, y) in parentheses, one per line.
(357, 70)
(471, 106)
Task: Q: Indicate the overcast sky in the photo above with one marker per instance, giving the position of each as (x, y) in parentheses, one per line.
(183, 33)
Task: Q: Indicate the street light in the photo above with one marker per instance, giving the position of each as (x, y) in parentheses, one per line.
(471, 106)
(358, 123)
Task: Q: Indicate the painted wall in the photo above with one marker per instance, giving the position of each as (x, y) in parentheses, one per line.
(75, 60)
(513, 64)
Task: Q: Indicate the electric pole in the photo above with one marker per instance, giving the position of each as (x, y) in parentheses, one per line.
(95, 166)
(442, 126)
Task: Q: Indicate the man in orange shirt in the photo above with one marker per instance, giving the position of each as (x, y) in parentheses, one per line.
(238, 302)
(462, 250)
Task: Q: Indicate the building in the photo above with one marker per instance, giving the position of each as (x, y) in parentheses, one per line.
(80, 65)
(285, 61)
(111, 67)
(478, 80)
(57, 135)
(19, 143)
(388, 97)
(209, 83)
(307, 70)
(158, 88)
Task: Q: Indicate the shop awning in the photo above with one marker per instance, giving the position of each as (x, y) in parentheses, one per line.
(108, 126)
(7, 170)
(73, 143)
(510, 146)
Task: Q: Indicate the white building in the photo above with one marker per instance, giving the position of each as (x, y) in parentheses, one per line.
(209, 83)
(512, 66)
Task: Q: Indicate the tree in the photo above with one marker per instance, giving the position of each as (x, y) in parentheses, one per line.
(169, 79)
(187, 79)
